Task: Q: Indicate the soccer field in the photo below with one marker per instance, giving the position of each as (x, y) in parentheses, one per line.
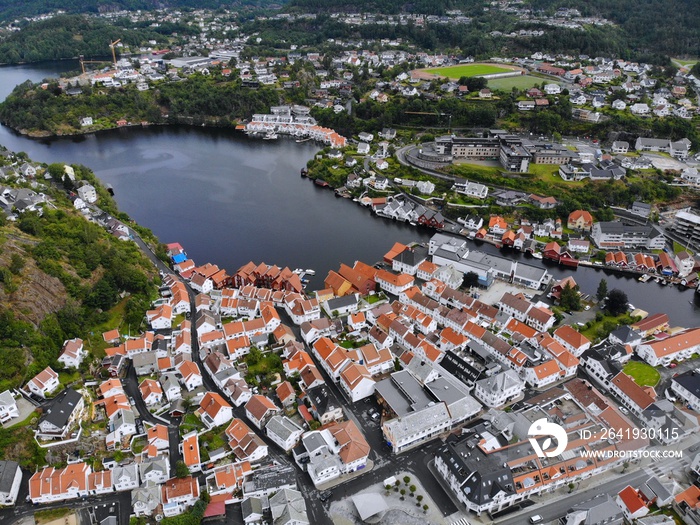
(467, 70)
(520, 82)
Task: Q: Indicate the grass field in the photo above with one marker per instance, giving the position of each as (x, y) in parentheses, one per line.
(684, 62)
(467, 70)
(550, 174)
(642, 373)
(520, 82)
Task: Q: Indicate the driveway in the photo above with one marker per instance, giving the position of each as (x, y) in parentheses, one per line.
(25, 407)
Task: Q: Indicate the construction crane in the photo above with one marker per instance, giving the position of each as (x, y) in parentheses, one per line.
(435, 113)
(114, 55)
(83, 62)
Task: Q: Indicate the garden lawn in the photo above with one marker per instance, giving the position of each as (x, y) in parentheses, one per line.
(642, 373)
(467, 70)
(550, 174)
(677, 248)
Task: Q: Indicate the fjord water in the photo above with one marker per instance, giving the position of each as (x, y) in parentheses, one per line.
(229, 199)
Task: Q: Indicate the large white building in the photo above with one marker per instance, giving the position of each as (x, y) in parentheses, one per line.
(87, 193)
(329, 453)
(499, 389)
(618, 236)
(284, 432)
(447, 250)
(687, 225)
(674, 348)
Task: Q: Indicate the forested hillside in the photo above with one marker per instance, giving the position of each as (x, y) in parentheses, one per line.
(670, 27)
(197, 100)
(69, 36)
(63, 277)
(10, 9)
(384, 6)
(652, 26)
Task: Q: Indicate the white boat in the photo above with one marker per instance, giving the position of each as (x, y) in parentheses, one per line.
(298, 271)
(310, 272)
(271, 135)
(537, 255)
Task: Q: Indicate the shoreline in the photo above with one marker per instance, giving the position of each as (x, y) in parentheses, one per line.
(80, 133)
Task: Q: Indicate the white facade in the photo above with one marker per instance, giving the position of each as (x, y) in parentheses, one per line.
(8, 407)
(498, 389)
(674, 348)
(284, 432)
(125, 478)
(11, 477)
(87, 193)
(417, 427)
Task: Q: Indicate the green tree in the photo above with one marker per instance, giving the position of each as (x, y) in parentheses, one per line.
(181, 469)
(16, 263)
(403, 494)
(570, 298)
(602, 291)
(406, 480)
(617, 302)
(57, 171)
(253, 358)
(470, 279)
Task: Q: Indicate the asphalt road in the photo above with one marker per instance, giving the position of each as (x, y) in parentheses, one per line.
(120, 500)
(131, 387)
(552, 510)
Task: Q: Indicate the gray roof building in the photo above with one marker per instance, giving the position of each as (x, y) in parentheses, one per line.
(10, 479)
(61, 410)
(288, 507)
(266, 480)
(600, 510)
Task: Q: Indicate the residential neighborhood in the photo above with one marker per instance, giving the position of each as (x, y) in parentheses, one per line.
(474, 357)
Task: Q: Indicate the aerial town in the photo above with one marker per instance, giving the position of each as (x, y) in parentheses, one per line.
(464, 378)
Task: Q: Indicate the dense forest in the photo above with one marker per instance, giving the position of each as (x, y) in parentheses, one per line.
(473, 39)
(69, 36)
(651, 26)
(197, 100)
(10, 9)
(433, 7)
(644, 31)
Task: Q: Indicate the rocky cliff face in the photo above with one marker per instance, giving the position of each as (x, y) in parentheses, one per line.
(33, 294)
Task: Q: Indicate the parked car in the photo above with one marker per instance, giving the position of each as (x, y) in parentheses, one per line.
(672, 365)
(536, 518)
(325, 495)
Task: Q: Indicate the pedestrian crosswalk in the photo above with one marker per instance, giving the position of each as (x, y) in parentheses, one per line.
(663, 467)
(463, 521)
